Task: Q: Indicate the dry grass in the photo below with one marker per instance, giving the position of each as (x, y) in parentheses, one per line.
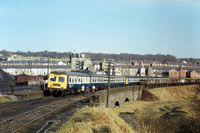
(173, 117)
(131, 107)
(175, 93)
(21, 96)
(96, 119)
(7, 98)
(174, 112)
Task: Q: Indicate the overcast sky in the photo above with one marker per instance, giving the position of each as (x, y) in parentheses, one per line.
(105, 26)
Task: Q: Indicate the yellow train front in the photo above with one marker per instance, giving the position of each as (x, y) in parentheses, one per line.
(63, 83)
(57, 83)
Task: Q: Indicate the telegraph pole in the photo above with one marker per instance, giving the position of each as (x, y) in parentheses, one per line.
(30, 67)
(48, 68)
(108, 90)
(179, 75)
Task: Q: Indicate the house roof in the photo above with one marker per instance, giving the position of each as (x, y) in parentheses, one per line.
(34, 66)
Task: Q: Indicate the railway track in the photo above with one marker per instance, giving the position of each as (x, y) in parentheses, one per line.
(13, 108)
(4, 107)
(20, 121)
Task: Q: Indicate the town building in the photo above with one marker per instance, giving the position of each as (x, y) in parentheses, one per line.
(33, 67)
(33, 70)
(192, 74)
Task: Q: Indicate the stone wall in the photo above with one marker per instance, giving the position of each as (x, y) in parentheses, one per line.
(117, 96)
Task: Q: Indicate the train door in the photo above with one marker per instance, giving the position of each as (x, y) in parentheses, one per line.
(126, 81)
(62, 80)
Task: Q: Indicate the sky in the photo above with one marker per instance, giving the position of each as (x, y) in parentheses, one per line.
(102, 26)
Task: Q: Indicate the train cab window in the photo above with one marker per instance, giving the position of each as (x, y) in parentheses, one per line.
(53, 78)
(61, 79)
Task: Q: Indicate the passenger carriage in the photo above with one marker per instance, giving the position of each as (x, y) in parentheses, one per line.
(61, 83)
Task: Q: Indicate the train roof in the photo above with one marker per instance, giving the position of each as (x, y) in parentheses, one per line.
(83, 74)
(71, 73)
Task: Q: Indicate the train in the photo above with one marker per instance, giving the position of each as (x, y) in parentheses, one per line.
(63, 83)
(27, 79)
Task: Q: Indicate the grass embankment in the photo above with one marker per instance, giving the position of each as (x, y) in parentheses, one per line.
(22, 96)
(170, 109)
(96, 119)
(8, 98)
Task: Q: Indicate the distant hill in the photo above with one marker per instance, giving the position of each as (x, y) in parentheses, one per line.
(99, 56)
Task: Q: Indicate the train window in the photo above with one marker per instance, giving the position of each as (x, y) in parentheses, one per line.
(53, 78)
(88, 79)
(61, 79)
(70, 80)
(83, 79)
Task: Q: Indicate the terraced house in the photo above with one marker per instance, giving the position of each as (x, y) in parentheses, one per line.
(33, 67)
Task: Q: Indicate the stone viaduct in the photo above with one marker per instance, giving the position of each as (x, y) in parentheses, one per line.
(117, 96)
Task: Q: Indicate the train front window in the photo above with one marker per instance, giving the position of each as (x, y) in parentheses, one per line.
(61, 79)
(53, 78)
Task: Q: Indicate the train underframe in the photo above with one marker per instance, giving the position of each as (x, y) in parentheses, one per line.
(63, 92)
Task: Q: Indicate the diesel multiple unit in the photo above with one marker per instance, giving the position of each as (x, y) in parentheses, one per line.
(61, 83)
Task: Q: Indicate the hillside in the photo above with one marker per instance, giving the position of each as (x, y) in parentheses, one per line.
(5, 78)
(174, 110)
(176, 93)
(96, 56)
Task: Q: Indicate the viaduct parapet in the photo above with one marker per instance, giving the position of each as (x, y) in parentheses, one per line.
(117, 96)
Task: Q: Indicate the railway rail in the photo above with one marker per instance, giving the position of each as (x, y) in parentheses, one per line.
(8, 109)
(19, 122)
(4, 107)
